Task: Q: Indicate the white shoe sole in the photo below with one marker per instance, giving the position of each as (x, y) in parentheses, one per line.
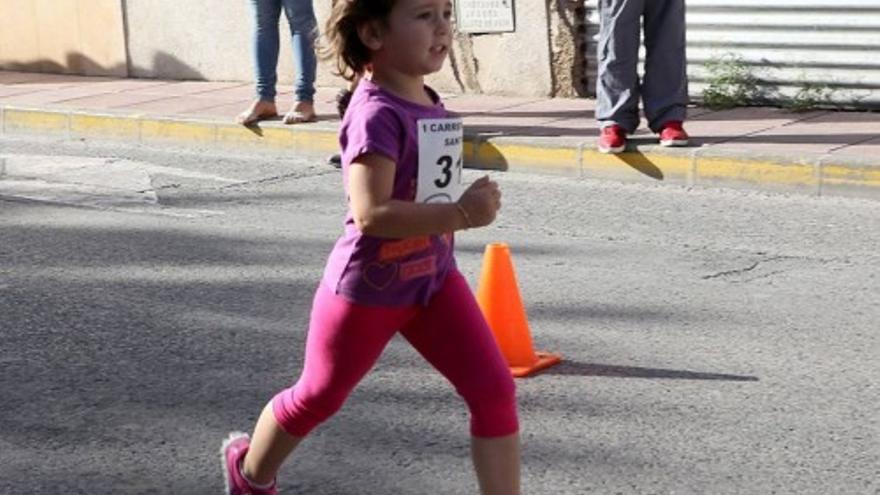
(674, 142)
(613, 151)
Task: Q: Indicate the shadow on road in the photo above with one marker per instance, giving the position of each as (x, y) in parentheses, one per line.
(609, 370)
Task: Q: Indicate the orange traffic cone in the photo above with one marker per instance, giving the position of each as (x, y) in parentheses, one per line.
(499, 298)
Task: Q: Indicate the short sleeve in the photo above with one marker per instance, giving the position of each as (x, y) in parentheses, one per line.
(373, 128)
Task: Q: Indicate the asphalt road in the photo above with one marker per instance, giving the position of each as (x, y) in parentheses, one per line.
(151, 300)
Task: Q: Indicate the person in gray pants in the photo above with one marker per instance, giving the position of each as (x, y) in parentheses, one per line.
(663, 89)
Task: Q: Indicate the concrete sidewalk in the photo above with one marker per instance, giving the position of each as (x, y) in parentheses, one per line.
(819, 152)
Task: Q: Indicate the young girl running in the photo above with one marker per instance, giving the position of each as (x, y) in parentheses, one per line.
(393, 269)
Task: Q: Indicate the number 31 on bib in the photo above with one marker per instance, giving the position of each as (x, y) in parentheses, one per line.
(440, 146)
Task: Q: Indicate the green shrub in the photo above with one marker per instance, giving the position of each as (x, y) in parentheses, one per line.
(732, 83)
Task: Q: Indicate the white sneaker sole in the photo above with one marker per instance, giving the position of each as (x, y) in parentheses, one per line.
(614, 150)
(674, 142)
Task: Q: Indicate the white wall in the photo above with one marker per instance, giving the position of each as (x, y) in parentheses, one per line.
(211, 39)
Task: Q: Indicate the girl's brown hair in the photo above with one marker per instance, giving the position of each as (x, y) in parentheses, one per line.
(341, 34)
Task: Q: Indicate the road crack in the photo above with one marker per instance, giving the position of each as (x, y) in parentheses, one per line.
(732, 272)
(277, 178)
(756, 264)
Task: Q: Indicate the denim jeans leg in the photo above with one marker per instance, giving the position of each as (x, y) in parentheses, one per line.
(303, 29)
(266, 45)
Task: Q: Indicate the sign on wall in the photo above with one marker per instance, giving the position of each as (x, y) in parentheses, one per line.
(484, 16)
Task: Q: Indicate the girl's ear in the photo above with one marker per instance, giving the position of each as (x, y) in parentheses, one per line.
(370, 34)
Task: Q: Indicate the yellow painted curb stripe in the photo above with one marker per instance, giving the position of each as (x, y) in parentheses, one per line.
(238, 135)
(34, 120)
(756, 171)
(320, 141)
(842, 175)
(489, 153)
(278, 138)
(178, 131)
(103, 125)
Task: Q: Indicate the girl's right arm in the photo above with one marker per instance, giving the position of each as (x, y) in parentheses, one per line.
(370, 187)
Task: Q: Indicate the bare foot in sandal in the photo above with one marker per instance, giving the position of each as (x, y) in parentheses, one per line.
(302, 112)
(259, 110)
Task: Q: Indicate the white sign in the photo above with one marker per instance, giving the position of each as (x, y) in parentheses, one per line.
(484, 16)
(440, 145)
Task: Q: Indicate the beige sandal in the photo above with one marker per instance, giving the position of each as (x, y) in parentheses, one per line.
(259, 110)
(302, 112)
(296, 117)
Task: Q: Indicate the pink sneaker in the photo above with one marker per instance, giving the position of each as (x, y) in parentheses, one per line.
(233, 450)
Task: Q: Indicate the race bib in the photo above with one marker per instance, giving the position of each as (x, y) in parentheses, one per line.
(440, 145)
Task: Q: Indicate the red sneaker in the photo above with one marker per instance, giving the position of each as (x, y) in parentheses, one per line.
(672, 134)
(612, 139)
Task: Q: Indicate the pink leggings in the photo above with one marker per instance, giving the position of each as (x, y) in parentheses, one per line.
(346, 339)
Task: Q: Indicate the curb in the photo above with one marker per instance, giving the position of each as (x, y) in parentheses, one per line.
(819, 175)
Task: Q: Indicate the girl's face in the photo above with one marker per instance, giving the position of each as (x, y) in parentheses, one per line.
(417, 37)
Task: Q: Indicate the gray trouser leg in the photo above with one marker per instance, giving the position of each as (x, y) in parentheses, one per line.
(617, 84)
(664, 88)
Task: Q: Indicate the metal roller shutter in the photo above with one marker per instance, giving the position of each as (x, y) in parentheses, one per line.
(820, 48)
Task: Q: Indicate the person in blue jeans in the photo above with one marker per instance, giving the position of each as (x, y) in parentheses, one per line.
(303, 28)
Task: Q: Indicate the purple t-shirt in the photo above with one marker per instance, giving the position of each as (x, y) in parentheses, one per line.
(380, 271)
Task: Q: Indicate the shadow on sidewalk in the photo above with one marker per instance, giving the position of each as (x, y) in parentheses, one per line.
(575, 368)
(79, 64)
